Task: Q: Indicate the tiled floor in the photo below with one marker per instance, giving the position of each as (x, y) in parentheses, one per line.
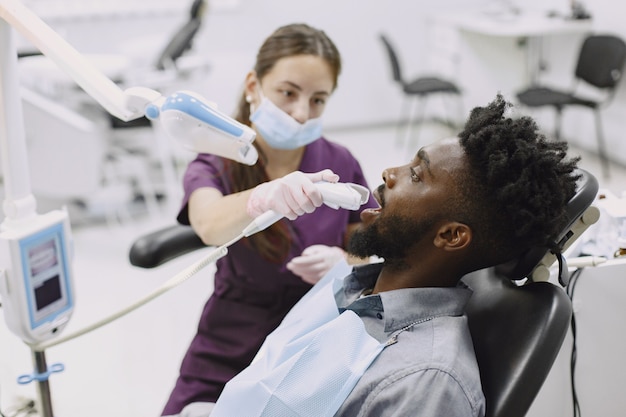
(127, 368)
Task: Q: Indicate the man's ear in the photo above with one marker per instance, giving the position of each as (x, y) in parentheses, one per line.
(453, 236)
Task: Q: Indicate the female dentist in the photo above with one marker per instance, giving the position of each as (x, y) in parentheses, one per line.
(263, 276)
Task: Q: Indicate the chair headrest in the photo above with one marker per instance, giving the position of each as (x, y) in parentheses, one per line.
(578, 219)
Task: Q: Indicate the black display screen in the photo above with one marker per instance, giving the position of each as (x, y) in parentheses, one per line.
(48, 292)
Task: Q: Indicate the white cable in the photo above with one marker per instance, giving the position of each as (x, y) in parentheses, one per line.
(584, 261)
(177, 279)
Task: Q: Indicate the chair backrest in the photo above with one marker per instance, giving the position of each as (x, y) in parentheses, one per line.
(517, 333)
(518, 330)
(601, 61)
(393, 59)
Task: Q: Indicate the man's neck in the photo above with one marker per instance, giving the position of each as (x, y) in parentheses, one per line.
(394, 276)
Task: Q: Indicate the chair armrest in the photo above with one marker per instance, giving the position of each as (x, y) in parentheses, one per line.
(158, 247)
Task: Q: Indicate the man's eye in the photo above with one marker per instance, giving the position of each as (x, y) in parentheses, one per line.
(414, 176)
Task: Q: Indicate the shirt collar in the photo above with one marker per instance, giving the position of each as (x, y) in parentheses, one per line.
(401, 307)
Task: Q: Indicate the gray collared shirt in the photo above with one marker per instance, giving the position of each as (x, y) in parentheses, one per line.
(429, 368)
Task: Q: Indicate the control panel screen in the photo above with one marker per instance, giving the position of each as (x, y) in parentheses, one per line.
(44, 264)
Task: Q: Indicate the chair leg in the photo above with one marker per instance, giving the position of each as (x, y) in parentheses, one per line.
(604, 160)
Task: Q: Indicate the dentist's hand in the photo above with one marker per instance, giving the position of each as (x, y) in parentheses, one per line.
(315, 262)
(292, 195)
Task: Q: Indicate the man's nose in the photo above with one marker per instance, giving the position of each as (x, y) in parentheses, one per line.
(389, 177)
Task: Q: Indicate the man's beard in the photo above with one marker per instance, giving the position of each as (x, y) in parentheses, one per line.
(388, 237)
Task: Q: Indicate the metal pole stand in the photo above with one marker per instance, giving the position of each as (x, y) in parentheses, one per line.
(41, 375)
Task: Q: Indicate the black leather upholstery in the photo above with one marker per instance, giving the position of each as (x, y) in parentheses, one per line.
(517, 333)
(158, 247)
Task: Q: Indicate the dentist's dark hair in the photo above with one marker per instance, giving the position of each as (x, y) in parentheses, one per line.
(518, 183)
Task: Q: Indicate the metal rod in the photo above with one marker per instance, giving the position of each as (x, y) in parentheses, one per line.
(43, 386)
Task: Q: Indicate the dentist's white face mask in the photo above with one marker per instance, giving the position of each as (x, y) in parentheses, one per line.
(280, 130)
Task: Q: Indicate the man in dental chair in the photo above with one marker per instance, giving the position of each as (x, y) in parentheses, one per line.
(391, 338)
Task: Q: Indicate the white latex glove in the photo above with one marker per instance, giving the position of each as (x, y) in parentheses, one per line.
(315, 262)
(292, 195)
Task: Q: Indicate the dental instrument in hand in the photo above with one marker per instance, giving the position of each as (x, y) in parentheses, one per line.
(335, 195)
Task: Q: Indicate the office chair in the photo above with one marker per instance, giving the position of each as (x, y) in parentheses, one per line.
(419, 89)
(517, 329)
(600, 64)
(183, 38)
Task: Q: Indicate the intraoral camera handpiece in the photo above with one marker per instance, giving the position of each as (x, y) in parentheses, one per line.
(335, 195)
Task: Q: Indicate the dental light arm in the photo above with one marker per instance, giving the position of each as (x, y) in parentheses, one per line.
(185, 116)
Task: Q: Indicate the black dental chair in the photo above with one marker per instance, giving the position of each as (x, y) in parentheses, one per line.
(518, 329)
(518, 325)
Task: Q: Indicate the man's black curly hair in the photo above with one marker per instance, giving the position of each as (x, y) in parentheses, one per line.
(518, 184)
